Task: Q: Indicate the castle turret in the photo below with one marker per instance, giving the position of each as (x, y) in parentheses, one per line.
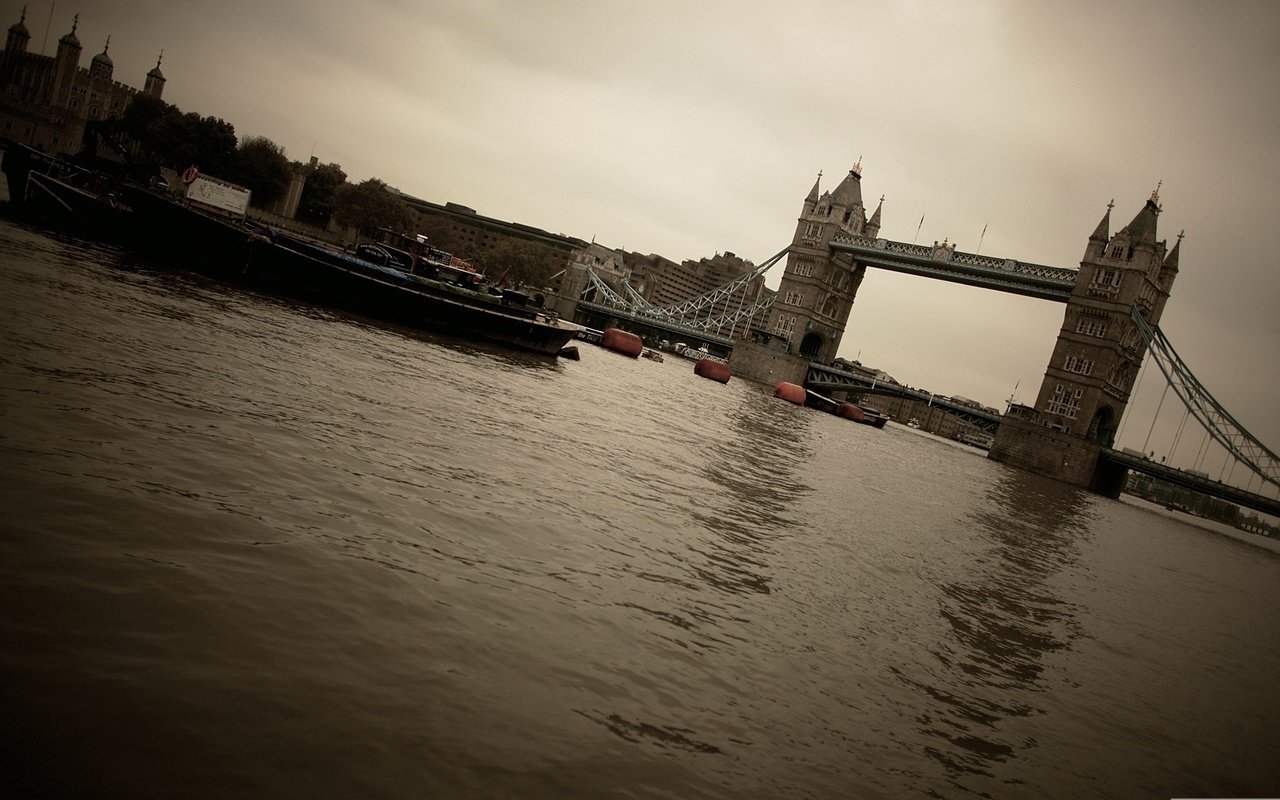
(154, 86)
(66, 62)
(15, 46)
(101, 67)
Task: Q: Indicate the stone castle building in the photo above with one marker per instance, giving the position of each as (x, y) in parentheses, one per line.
(46, 101)
(1097, 355)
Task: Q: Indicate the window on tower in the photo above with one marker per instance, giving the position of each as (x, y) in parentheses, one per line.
(1065, 401)
(784, 324)
(1078, 364)
(1106, 277)
(1092, 326)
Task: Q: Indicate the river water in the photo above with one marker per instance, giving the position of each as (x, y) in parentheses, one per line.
(256, 549)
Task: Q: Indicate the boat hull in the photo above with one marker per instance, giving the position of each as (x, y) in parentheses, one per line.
(255, 256)
(277, 265)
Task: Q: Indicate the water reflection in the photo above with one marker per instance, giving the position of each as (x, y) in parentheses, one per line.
(1005, 617)
(757, 468)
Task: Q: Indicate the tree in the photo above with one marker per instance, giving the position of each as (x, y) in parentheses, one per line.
(261, 166)
(368, 206)
(518, 263)
(182, 140)
(141, 114)
(318, 193)
(440, 234)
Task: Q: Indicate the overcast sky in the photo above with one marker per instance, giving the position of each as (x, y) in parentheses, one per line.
(689, 128)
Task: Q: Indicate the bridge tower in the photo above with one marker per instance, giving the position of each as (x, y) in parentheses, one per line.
(817, 289)
(1096, 358)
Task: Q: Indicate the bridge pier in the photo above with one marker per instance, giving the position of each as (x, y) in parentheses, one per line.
(756, 362)
(1025, 445)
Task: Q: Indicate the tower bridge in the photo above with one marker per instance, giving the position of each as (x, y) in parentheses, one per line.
(1114, 301)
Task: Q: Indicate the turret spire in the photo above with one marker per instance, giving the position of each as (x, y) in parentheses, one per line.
(1143, 226)
(813, 193)
(1103, 232)
(874, 222)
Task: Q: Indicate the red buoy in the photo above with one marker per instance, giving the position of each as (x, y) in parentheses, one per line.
(620, 341)
(790, 392)
(850, 411)
(713, 369)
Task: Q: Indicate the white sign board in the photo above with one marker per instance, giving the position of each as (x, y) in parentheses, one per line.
(220, 195)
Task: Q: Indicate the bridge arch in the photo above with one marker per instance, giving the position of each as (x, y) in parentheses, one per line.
(811, 345)
(1102, 428)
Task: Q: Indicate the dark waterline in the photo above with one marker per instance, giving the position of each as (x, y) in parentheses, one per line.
(259, 549)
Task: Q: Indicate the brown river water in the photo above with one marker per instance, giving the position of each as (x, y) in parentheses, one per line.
(256, 549)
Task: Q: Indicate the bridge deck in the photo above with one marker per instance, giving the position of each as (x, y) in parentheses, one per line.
(945, 263)
(1198, 483)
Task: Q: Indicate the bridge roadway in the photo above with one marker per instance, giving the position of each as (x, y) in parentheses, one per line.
(948, 264)
(1197, 483)
(819, 376)
(677, 331)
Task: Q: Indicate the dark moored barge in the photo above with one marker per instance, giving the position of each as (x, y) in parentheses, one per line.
(426, 293)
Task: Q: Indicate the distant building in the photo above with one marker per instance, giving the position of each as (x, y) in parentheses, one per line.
(478, 235)
(609, 264)
(663, 282)
(46, 101)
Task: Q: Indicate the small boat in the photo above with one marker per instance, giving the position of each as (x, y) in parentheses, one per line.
(695, 353)
(874, 417)
(850, 411)
(590, 335)
(651, 354)
(913, 423)
(976, 438)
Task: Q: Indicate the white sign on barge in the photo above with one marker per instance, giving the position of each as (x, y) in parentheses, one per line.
(217, 196)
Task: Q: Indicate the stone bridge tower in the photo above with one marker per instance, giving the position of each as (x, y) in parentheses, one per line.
(817, 290)
(1096, 357)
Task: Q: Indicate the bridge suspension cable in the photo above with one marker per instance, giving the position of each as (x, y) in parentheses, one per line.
(697, 312)
(1219, 424)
